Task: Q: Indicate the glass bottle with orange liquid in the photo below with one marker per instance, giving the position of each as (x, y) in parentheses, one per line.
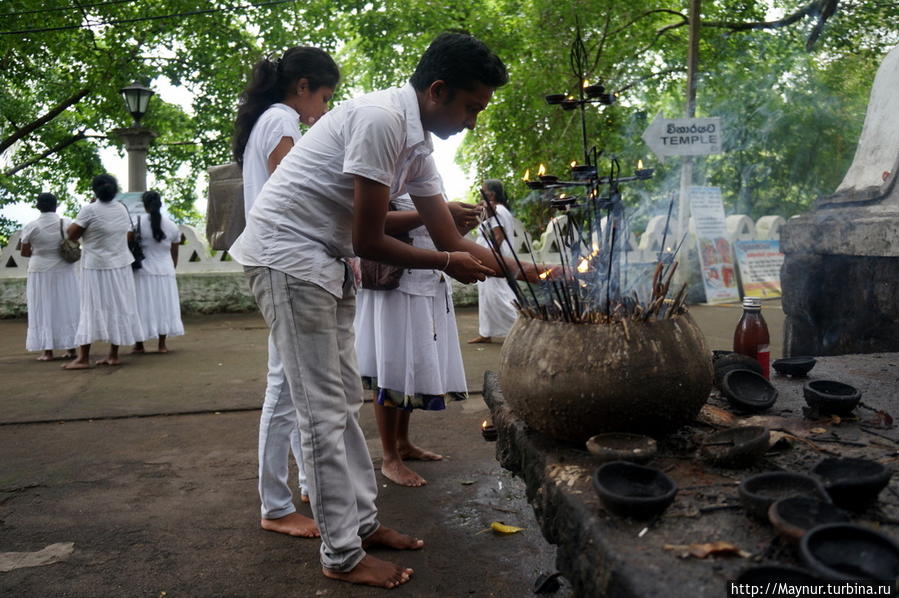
(751, 336)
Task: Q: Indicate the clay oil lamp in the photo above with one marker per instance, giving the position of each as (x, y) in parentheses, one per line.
(760, 491)
(546, 179)
(796, 367)
(848, 552)
(563, 201)
(643, 173)
(569, 103)
(830, 397)
(593, 91)
(555, 98)
(735, 447)
(853, 483)
(726, 361)
(630, 490)
(582, 172)
(794, 516)
(748, 391)
(488, 430)
(619, 446)
(531, 184)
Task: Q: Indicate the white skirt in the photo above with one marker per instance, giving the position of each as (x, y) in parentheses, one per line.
(409, 344)
(496, 312)
(108, 308)
(158, 304)
(53, 300)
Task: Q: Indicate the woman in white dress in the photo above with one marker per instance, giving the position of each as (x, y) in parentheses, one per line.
(281, 93)
(154, 282)
(407, 346)
(108, 303)
(496, 310)
(51, 288)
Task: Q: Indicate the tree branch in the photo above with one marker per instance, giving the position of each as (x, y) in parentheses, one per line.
(652, 76)
(36, 124)
(56, 148)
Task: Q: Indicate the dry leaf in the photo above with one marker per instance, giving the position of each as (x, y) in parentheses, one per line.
(818, 431)
(835, 420)
(501, 528)
(716, 416)
(704, 550)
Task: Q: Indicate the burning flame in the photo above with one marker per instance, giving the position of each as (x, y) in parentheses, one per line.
(586, 84)
(543, 275)
(595, 248)
(527, 175)
(484, 424)
(583, 266)
(541, 171)
(639, 164)
(562, 196)
(573, 163)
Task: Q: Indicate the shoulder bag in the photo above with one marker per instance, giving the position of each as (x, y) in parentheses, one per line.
(134, 244)
(70, 251)
(382, 277)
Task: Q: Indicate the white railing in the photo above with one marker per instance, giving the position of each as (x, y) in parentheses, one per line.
(195, 255)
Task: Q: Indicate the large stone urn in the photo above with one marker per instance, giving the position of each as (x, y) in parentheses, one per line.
(571, 381)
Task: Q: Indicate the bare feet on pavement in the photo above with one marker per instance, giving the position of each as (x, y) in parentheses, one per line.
(76, 364)
(46, 356)
(398, 473)
(410, 452)
(292, 525)
(391, 538)
(479, 339)
(372, 571)
(110, 361)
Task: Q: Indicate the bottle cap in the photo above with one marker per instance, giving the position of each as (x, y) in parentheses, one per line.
(752, 303)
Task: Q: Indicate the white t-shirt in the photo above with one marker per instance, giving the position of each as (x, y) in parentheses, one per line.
(503, 217)
(105, 241)
(277, 122)
(44, 237)
(157, 254)
(301, 221)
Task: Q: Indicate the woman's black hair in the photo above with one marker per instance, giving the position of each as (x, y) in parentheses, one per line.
(461, 60)
(46, 202)
(105, 187)
(499, 193)
(153, 204)
(270, 82)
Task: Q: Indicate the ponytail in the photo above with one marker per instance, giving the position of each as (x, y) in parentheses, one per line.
(153, 204)
(105, 187)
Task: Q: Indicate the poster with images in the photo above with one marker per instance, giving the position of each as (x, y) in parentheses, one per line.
(759, 263)
(715, 255)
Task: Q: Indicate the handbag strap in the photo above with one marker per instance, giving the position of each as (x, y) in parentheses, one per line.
(61, 234)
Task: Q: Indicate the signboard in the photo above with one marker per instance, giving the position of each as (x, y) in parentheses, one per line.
(132, 201)
(716, 260)
(759, 263)
(684, 136)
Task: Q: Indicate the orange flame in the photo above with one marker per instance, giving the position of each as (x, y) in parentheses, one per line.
(639, 164)
(527, 175)
(541, 171)
(583, 266)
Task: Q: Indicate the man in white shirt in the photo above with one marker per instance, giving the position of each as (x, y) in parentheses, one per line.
(327, 201)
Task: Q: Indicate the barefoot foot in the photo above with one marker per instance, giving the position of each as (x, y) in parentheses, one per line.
(46, 356)
(292, 525)
(109, 361)
(304, 497)
(373, 572)
(76, 364)
(479, 339)
(398, 473)
(384, 536)
(410, 452)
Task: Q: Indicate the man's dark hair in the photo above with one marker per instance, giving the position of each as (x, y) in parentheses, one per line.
(462, 61)
(46, 202)
(105, 187)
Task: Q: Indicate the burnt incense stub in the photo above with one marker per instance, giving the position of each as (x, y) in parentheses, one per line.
(572, 381)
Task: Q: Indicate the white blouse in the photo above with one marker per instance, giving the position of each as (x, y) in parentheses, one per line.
(43, 234)
(157, 254)
(277, 122)
(105, 240)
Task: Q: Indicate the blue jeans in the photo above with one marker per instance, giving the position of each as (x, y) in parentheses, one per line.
(313, 332)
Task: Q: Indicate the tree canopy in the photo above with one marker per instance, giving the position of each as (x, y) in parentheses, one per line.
(791, 89)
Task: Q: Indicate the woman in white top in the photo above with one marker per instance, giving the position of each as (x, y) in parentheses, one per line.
(496, 310)
(154, 282)
(51, 290)
(282, 92)
(108, 303)
(407, 346)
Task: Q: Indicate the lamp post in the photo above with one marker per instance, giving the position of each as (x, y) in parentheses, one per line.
(137, 138)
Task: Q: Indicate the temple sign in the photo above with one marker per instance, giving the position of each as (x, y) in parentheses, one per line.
(684, 136)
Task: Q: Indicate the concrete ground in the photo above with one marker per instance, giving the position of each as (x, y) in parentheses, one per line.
(149, 470)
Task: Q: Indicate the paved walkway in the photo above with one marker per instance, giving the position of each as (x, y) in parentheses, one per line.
(150, 470)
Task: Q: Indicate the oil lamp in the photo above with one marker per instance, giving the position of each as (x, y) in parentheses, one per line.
(643, 173)
(488, 430)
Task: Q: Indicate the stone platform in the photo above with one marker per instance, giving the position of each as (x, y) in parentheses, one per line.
(607, 556)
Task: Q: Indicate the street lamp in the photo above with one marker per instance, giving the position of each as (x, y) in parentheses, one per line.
(137, 138)
(137, 98)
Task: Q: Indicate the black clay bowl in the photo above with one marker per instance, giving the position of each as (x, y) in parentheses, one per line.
(759, 492)
(794, 516)
(847, 552)
(719, 353)
(732, 361)
(797, 367)
(764, 574)
(830, 397)
(748, 391)
(632, 490)
(735, 447)
(852, 483)
(618, 446)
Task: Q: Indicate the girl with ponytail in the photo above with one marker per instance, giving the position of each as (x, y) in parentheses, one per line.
(281, 93)
(155, 284)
